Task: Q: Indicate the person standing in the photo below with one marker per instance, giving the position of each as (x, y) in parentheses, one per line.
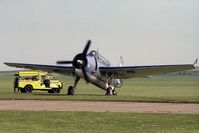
(16, 84)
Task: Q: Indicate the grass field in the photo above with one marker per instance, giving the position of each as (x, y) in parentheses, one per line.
(85, 122)
(165, 88)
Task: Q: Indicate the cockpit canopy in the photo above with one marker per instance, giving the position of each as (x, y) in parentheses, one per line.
(99, 57)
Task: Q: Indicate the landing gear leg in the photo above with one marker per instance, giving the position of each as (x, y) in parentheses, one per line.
(114, 92)
(71, 88)
(108, 91)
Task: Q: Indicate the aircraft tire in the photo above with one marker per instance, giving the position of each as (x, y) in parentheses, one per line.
(70, 90)
(114, 92)
(108, 91)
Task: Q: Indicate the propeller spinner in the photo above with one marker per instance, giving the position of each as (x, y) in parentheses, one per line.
(80, 61)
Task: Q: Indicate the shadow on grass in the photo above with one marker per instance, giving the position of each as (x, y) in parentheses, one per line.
(76, 95)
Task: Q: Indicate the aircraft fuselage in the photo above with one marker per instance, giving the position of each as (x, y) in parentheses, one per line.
(103, 81)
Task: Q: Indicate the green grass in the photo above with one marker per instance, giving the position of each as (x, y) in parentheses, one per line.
(165, 88)
(85, 122)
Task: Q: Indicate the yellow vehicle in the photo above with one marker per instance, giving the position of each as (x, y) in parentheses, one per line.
(27, 81)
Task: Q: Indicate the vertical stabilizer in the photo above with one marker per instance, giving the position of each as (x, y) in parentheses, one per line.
(121, 61)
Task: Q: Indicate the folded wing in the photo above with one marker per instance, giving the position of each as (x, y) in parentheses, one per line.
(48, 68)
(143, 71)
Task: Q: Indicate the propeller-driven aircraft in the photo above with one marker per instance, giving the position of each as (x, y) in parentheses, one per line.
(95, 69)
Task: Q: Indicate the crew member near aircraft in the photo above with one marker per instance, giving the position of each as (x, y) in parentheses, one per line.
(16, 84)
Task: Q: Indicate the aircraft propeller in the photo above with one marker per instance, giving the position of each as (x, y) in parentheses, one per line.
(80, 61)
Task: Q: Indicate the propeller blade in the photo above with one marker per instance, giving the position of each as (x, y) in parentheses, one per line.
(85, 76)
(86, 48)
(64, 62)
(84, 57)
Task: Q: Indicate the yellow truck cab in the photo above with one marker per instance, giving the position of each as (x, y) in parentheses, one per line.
(33, 80)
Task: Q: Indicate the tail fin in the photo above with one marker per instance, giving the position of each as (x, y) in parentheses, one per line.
(121, 61)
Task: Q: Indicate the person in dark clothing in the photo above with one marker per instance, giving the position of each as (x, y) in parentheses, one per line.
(16, 84)
(47, 82)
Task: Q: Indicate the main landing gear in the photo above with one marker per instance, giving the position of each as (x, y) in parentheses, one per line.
(71, 88)
(110, 91)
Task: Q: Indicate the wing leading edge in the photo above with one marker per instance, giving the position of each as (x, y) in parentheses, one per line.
(143, 71)
(117, 72)
(48, 68)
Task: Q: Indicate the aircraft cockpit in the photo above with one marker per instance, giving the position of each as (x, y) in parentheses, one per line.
(99, 57)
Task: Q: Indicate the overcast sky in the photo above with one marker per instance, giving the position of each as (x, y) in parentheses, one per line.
(144, 32)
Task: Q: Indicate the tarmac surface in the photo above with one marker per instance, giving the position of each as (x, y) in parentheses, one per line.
(98, 106)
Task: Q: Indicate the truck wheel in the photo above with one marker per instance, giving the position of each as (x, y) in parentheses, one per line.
(56, 90)
(22, 90)
(50, 91)
(28, 89)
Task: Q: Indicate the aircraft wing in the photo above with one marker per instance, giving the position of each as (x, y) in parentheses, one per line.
(143, 71)
(48, 68)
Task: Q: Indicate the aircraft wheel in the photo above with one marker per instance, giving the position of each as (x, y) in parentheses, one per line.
(114, 92)
(108, 91)
(70, 90)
